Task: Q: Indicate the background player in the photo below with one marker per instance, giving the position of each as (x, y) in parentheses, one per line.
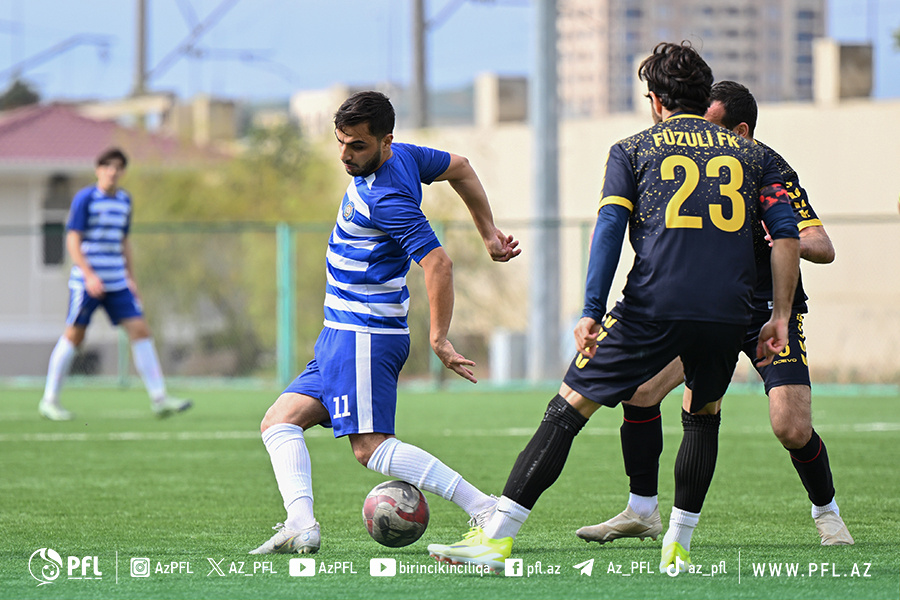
(103, 275)
(691, 194)
(351, 384)
(786, 380)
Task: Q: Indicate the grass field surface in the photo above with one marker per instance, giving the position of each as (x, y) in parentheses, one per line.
(137, 507)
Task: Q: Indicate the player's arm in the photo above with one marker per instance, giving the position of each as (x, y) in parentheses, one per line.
(616, 204)
(438, 270)
(606, 246)
(92, 282)
(465, 182)
(815, 245)
(785, 260)
(129, 265)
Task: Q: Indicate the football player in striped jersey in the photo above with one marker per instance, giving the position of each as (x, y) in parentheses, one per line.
(102, 275)
(351, 383)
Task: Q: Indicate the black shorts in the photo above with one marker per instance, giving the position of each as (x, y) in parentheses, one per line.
(790, 367)
(629, 353)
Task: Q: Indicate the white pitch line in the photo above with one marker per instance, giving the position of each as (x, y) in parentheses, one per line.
(189, 436)
(130, 436)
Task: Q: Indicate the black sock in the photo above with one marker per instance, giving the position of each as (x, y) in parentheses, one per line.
(542, 460)
(642, 444)
(811, 462)
(696, 460)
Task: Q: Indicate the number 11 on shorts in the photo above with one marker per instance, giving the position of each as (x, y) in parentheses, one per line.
(337, 407)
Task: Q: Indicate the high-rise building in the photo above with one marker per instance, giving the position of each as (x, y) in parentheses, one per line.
(765, 44)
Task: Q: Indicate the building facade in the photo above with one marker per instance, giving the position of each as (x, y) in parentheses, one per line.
(765, 44)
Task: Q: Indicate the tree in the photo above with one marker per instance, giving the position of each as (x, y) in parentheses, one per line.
(205, 251)
(18, 94)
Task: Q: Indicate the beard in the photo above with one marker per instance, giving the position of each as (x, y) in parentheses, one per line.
(367, 168)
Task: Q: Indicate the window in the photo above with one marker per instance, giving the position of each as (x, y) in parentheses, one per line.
(55, 211)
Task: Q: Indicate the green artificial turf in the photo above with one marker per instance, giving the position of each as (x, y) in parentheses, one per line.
(197, 490)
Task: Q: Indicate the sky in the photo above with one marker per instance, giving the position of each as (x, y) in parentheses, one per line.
(266, 49)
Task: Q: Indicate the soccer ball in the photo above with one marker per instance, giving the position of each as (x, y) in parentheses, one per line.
(395, 513)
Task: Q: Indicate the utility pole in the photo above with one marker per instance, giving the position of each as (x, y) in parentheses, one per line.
(419, 99)
(544, 294)
(140, 51)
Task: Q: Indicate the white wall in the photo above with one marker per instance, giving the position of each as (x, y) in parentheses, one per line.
(848, 159)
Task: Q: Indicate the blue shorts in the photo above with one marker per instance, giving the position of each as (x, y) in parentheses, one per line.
(788, 368)
(119, 305)
(354, 375)
(630, 352)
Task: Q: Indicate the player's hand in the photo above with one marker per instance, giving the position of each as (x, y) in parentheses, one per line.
(94, 285)
(586, 332)
(502, 248)
(768, 236)
(133, 287)
(773, 338)
(453, 360)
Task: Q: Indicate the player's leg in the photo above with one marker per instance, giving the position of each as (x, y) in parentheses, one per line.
(58, 368)
(710, 355)
(363, 398)
(536, 469)
(695, 465)
(78, 317)
(389, 456)
(790, 413)
(282, 433)
(124, 309)
(642, 444)
(610, 377)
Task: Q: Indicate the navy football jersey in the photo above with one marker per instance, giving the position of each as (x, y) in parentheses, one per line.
(806, 217)
(692, 189)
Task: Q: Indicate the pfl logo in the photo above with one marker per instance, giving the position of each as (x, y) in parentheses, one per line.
(45, 565)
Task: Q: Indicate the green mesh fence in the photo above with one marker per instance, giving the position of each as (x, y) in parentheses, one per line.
(242, 302)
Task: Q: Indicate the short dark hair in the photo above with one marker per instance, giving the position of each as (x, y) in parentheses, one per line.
(373, 108)
(678, 76)
(738, 102)
(111, 154)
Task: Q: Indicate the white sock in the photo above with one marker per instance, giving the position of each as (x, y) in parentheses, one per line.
(681, 528)
(507, 520)
(147, 364)
(293, 472)
(416, 466)
(60, 361)
(643, 505)
(832, 506)
(470, 498)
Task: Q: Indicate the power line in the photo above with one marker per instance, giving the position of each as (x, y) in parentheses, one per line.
(188, 43)
(101, 41)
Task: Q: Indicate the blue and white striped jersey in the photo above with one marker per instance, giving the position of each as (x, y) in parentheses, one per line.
(104, 222)
(380, 226)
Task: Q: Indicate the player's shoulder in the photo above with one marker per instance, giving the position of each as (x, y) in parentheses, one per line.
(382, 188)
(405, 152)
(85, 193)
(83, 198)
(783, 166)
